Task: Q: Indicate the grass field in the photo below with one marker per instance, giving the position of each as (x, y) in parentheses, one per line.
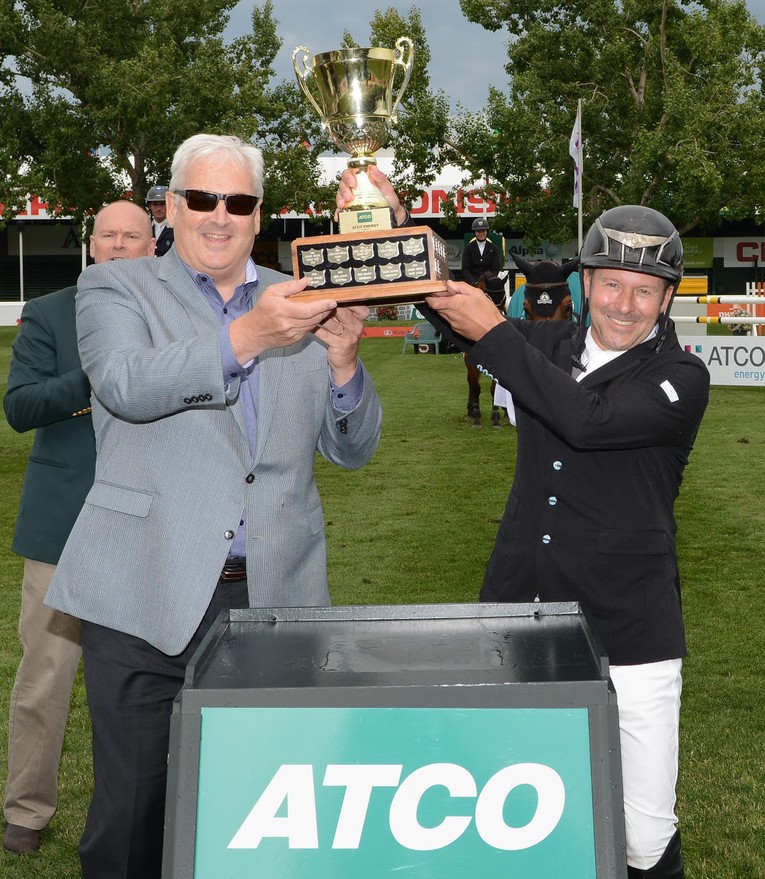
(417, 525)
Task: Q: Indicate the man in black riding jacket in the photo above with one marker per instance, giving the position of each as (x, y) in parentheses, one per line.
(607, 415)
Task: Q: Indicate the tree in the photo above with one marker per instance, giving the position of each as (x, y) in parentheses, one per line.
(673, 111)
(95, 97)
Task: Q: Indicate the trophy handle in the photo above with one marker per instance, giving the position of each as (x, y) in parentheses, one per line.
(403, 56)
(302, 76)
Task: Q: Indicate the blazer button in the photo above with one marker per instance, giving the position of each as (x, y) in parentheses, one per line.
(546, 538)
(249, 479)
(552, 500)
(229, 535)
(557, 465)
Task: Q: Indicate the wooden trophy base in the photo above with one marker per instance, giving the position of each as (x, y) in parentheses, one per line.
(382, 267)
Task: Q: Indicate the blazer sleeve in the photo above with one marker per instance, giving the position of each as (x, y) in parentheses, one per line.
(36, 395)
(495, 262)
(651, 400)
(349, 439)
(467, 274)
(141, 368)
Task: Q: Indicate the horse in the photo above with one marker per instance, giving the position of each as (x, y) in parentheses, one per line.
(547, 296)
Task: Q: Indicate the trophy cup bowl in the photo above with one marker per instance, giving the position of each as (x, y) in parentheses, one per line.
(353, 94)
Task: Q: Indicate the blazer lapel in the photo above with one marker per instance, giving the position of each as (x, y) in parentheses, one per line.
(179, 283)
(190, 298)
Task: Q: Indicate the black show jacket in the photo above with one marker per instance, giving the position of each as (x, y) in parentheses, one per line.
(590, 516)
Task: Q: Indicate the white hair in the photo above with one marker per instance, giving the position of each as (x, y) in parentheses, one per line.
(201, 146)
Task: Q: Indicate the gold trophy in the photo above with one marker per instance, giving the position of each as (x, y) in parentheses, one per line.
(357, 104)
(352, 90)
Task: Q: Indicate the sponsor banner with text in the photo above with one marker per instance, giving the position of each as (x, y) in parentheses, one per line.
(731, 360)
(373, 792)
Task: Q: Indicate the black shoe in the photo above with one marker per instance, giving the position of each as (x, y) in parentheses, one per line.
(21, 840)
(670, 864)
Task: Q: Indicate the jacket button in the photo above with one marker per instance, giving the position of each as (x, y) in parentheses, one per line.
(229, 535)
(552, 500)
(546, 538)
(557, 465)
(249, 479)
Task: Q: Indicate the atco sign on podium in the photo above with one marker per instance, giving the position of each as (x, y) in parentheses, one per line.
(434, 740)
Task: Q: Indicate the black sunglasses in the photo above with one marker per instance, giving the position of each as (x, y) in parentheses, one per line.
(240, 205)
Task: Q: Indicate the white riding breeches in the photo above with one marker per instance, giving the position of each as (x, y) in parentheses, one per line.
(649, 723)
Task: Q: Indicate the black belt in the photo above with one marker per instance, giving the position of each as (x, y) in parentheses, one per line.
(234, 570)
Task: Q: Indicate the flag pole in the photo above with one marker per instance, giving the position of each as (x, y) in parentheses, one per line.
(576, 151)
(580, 163)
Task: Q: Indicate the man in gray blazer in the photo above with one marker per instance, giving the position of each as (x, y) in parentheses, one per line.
(48, 392)
(212, 391)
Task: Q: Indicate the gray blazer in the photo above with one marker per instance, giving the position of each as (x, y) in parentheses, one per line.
(174, 469)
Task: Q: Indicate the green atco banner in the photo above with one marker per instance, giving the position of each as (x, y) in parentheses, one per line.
(309, 793)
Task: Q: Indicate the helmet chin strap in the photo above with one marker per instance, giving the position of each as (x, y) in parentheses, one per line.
(660, 338)
(664, 322)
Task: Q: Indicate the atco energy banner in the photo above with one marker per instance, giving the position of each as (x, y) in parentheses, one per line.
(731, 360)
(301, 793)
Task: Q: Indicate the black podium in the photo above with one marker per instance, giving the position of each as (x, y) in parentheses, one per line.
(422, 740)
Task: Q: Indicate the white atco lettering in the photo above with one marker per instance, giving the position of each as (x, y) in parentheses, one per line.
(358, 782)
(551, 798)
(292, 792)
(404, 825)
(293, 784)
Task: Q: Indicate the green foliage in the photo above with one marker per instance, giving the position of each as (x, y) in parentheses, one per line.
(673, 110)
(131, 80)
(416, 525)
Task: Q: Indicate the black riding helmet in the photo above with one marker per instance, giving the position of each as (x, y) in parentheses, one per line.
(633, 238)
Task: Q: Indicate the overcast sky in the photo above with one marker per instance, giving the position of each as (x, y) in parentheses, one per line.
(465, 58)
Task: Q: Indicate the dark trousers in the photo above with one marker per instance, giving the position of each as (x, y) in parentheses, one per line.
(131, 687)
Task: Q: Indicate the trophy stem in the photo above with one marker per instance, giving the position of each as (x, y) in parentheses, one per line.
(367, 196)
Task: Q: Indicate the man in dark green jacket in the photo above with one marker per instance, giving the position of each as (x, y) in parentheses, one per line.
(49, 393)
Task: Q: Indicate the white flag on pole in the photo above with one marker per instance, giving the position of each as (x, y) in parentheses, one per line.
(575, 151)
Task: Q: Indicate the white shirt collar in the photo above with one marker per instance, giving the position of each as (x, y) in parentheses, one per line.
(593, 356)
